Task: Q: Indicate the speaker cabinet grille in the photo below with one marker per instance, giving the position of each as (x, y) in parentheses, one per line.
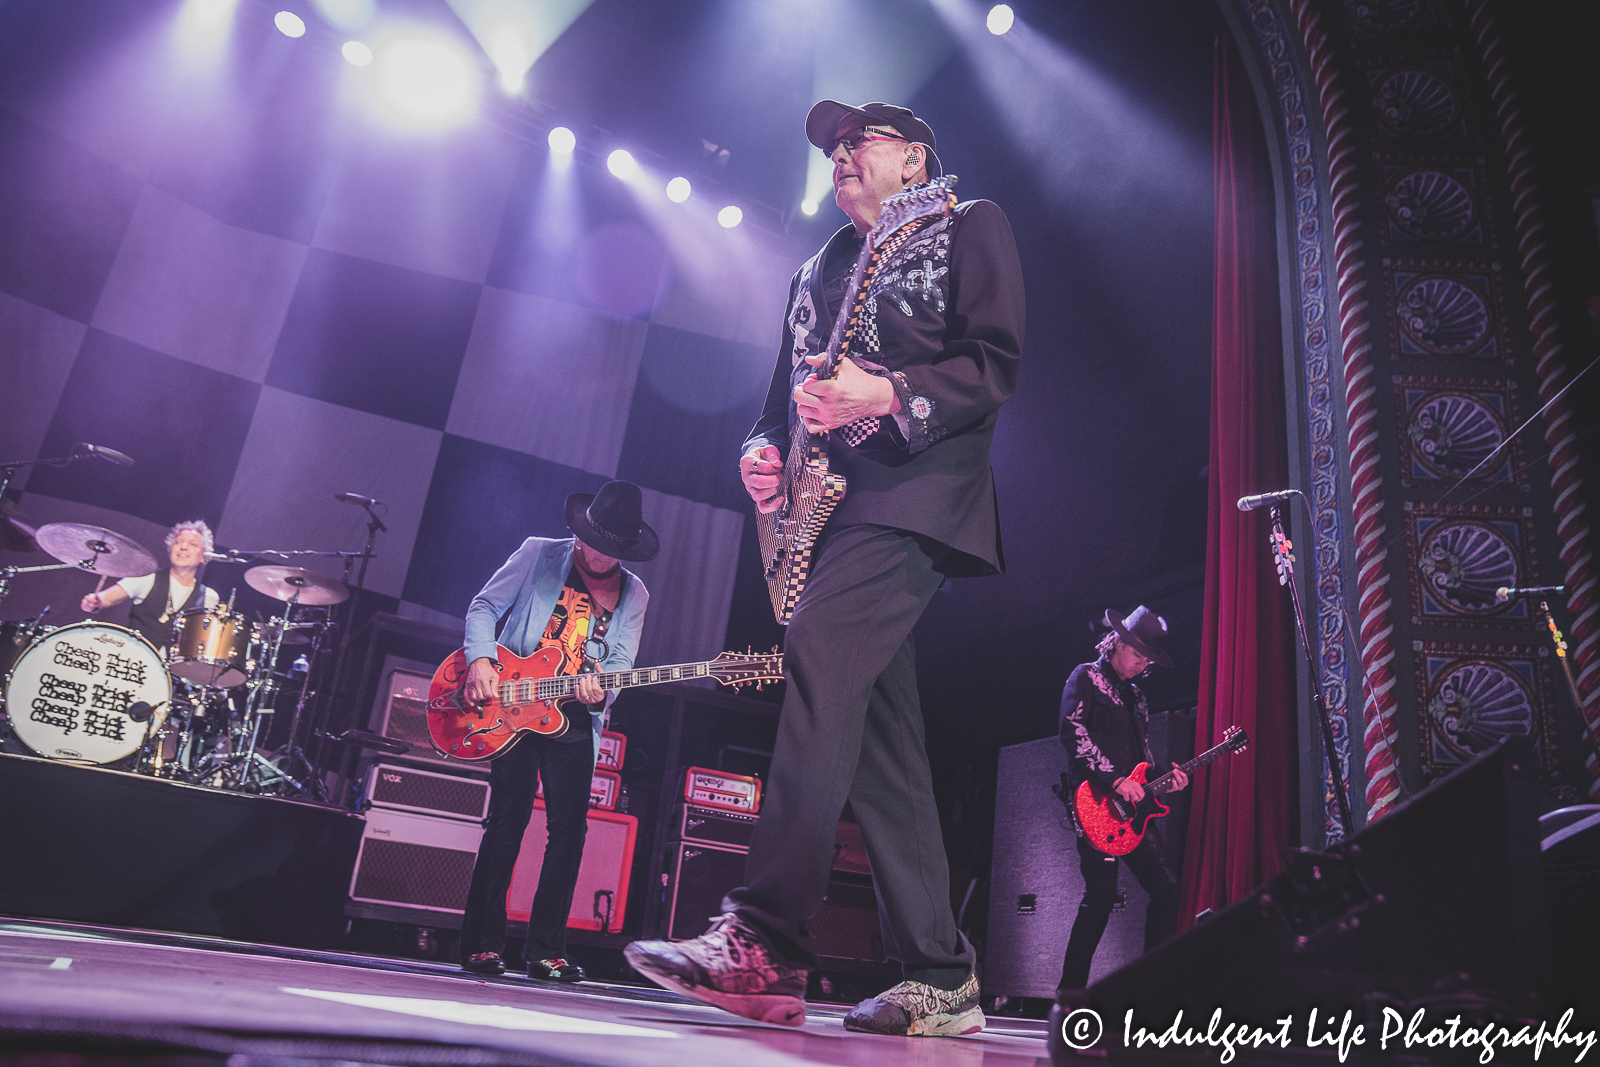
(424, 791)
(415, 860)
(846, 926)
(600, 899)
(701, 877)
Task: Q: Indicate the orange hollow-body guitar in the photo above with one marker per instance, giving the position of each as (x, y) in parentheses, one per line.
(1115, 825)
(533, 698)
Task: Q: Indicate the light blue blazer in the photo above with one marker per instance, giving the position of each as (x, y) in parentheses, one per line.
(529, 583)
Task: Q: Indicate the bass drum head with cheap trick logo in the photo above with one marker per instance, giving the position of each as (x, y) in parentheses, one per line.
(68, 694)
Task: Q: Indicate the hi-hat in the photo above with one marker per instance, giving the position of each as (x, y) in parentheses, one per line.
(114, 556)
(283, 583)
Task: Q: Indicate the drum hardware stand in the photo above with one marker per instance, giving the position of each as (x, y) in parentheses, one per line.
(9, 471)
(8, 573)
(374, 526)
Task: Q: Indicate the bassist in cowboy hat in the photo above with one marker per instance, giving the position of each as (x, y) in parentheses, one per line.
(1105, 726)
(572, 594)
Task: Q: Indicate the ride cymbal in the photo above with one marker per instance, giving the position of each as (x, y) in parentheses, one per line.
(283, 583)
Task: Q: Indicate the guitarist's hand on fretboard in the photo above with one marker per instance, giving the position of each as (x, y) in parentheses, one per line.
(853, 394)
(760, 472)
(1179, 779)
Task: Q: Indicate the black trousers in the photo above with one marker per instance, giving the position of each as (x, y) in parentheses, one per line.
(567, 769)
(1148, 864)
(852, 729)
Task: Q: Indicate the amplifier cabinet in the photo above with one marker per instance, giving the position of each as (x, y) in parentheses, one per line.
(605, 789)
(415, 861)
(400, 711)
(427, 792)
(613, 750)
(713, 827)
(600, 901)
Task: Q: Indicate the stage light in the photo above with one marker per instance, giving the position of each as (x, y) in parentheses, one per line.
(808, 206)
(357, 54)
(429, 78)
(622, 164)
(1001, 18)
(208, 14)
(678, 190)
(730, 217)
(511, 50)
(289, 24)
(563, 141)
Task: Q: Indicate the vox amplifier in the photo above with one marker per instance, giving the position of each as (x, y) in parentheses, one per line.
(427, 792)
(415, 861)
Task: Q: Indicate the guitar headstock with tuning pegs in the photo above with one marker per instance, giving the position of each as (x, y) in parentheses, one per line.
(747, 668)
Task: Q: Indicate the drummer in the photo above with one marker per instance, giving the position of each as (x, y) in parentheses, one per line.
(160, 597)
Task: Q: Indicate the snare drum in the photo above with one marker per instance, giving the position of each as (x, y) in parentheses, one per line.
(211, 647)
(69, 692)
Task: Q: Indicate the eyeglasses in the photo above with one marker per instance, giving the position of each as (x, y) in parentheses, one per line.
(852, 142)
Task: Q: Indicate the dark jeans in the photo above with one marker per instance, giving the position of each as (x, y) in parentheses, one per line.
(567, 768)
(852, 728)
(1149, 865)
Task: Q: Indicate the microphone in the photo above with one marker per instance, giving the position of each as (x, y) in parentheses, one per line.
(226, 557)
(1250, 503)
(108, 453)
(356, 498)
(1506, 592)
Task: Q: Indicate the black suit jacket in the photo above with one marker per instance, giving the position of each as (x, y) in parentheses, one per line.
(944, 322)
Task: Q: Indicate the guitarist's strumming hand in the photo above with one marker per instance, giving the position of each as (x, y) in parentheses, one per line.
(1129, 789)
(853, 394)
(759, 470)
(482, 681)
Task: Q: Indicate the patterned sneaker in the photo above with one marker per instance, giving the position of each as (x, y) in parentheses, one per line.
(484, 963)
(557, 970)
(916, 1009)
(728, 966)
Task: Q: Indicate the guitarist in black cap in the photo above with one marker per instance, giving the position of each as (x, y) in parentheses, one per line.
(1105, 726)
(908, 420)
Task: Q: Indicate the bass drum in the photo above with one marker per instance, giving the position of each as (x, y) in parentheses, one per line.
(68, 695)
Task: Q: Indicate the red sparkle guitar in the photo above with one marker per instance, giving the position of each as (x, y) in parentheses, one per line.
(532, 697)
(1114, 825)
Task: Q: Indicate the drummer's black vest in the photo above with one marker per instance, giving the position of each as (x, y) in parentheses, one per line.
(146, 616)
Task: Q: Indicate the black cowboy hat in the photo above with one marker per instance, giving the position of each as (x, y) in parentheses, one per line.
(612, 521)
(829, 118)
(1144, 630)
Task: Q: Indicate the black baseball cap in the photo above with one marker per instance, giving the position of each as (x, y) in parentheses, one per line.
(829, 118)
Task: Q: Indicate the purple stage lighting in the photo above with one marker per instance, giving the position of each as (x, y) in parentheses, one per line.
(563, 141)
(808, 206)
(730, 217)
(289, 24)
(622, 164)
(429, 79)
(1001, 19)
(357, 54)
(678, 190)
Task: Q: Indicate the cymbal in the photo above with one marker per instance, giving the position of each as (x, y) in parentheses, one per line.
(282, 583)
(114, 555)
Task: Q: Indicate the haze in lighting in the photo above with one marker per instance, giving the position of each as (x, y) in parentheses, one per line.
(808, 206)
(202, 25)
(515, 33)
(289, 24)
(730, 217)
(621, 163)
(563, 141)
(356, 54)
(678, 190)
(1001, 18)
(429, 78)
(347, 15)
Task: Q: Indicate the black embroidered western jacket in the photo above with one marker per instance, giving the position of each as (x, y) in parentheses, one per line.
(1105, 725)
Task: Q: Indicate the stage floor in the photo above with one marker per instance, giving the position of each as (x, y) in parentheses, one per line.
(74, 988)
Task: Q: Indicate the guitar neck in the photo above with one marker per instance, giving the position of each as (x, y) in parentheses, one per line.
(1165, 782)
(529, 690)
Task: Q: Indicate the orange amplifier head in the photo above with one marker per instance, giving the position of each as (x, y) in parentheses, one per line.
(604, 789)
(613, 750)
(718, 789)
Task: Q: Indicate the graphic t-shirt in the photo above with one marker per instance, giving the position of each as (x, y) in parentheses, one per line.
(576, 624)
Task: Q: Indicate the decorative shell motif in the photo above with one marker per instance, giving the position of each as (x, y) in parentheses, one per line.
(1431, 205)
(1380, 16)
(1475, 704)
(1451, 433)
(1443, 315)
(1463, 563)
(1414, 103)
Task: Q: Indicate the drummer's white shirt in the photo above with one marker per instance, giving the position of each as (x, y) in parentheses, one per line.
(139, 588)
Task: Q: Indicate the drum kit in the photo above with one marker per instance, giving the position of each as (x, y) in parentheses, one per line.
(97, 693)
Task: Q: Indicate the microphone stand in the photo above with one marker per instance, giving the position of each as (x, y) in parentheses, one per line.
(374, 525)
(1285, 562)
(9, 471)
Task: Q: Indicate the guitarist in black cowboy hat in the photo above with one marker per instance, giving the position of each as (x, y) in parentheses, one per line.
(575, 595)
(1105, 725)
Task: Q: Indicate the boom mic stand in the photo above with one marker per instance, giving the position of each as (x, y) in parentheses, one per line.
(1285, 562)
(374, 526)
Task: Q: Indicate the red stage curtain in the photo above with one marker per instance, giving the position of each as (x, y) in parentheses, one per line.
(1243, 813)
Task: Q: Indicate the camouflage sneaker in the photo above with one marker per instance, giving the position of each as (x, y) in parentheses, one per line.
(728, 966)
(916, 1009)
